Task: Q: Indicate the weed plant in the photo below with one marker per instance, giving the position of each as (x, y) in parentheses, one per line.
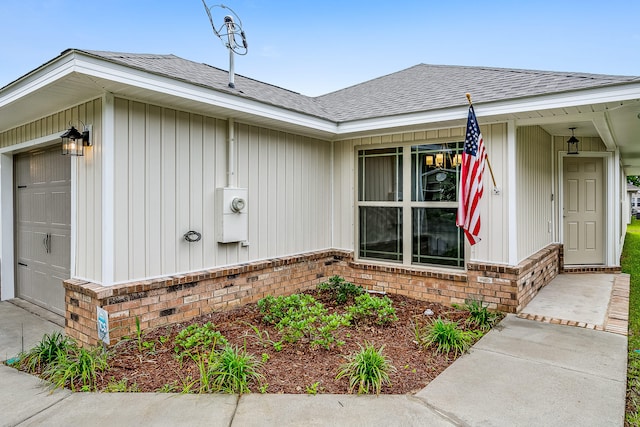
(367, 370)
(341, 290)
(479, 315)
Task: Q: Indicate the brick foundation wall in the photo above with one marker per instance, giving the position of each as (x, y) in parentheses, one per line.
(180, 298)
(512, 287)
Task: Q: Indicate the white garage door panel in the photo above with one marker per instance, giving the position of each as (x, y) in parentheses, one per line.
(43, 229)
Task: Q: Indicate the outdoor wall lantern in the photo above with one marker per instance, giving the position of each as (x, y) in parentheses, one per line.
(572, 143)
(74, 141)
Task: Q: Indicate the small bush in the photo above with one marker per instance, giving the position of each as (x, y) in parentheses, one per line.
(198, 338)
(300, 316)
(446, 335)
(340, 289)
(367, 370)
(377, 309)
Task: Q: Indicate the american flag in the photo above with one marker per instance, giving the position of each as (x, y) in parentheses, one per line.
(473, 160)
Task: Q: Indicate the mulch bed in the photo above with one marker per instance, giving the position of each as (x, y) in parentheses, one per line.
(297, 367)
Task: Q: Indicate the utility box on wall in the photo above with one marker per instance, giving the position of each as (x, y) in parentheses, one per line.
(232, 218)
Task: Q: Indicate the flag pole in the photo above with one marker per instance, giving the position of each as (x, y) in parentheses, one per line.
(493, 178)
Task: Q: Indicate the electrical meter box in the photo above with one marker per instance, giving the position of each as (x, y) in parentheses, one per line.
(232, 218)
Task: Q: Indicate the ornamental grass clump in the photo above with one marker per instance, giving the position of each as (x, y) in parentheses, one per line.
(45, 352)
(367, 370)
(446, 336)
(62, 362)
(235, 370)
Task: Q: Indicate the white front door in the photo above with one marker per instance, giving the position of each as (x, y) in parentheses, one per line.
(583, 211)
(43, 226)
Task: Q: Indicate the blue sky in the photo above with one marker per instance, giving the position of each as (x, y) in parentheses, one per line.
(315, 47)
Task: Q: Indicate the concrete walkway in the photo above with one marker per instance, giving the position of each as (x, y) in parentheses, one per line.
(522, 373)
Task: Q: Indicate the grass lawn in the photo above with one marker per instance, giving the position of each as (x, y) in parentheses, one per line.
(630, 262)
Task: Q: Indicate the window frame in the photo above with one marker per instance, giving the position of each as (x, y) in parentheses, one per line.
(406, 204)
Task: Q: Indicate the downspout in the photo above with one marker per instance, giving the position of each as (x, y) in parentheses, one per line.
(231, 174)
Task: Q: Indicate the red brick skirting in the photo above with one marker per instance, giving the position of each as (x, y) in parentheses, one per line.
(180, 298)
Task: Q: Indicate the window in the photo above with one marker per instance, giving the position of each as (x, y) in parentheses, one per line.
(421, 230)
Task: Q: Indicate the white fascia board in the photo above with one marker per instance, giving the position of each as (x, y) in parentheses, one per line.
(413, 119)
(499, 108)
(30, 83)
(168, 86)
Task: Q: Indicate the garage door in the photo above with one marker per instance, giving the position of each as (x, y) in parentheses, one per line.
(43, 226)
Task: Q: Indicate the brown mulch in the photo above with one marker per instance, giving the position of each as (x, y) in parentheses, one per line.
(297, 366)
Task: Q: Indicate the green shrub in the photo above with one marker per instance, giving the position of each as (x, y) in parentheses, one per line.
(446, 336)
(198, 339)
(367, 370)
(301, 316)
(479, 315)
(372, 308)
(340, 289)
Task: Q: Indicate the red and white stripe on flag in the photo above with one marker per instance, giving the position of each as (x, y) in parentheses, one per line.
(470, 193)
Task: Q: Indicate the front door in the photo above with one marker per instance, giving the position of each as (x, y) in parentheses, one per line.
(43, 226)
(583, 211)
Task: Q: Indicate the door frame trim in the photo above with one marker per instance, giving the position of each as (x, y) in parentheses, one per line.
(8, 283)
(611, 209)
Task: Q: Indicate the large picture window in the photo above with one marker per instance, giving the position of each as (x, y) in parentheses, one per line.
(421, 230)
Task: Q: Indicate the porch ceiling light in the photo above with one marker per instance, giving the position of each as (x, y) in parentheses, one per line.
(572, 143)
(74, 141)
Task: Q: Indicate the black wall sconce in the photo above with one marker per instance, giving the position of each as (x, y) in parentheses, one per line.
(74, 141)
(572, 143)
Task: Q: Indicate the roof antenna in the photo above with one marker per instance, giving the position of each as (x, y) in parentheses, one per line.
(229, 30)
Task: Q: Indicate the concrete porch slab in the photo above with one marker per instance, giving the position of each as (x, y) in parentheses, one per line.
(597, 301)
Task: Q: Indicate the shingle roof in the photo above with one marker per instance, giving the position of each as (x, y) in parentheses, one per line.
(431, 87)
(419, 88)
(214, 78)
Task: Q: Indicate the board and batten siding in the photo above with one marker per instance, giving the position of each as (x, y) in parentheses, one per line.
(168, 165)
(534, 168)
(87, 181)
(494, 208)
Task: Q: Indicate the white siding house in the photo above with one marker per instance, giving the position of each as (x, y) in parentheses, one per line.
(360, 182)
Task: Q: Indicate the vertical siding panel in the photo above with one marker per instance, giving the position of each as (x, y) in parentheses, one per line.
(153, 196)
(263, 191)
(290, 178)
(183, 193)
(221, 178)
(254, 191)
(138, 216)
(534, 189)
(97, 192)
(243, 173)
(196, 189)
(121, 196)
(169, 241)
(209, 185)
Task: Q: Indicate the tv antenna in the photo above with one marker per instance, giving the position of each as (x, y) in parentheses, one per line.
(229, 33)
